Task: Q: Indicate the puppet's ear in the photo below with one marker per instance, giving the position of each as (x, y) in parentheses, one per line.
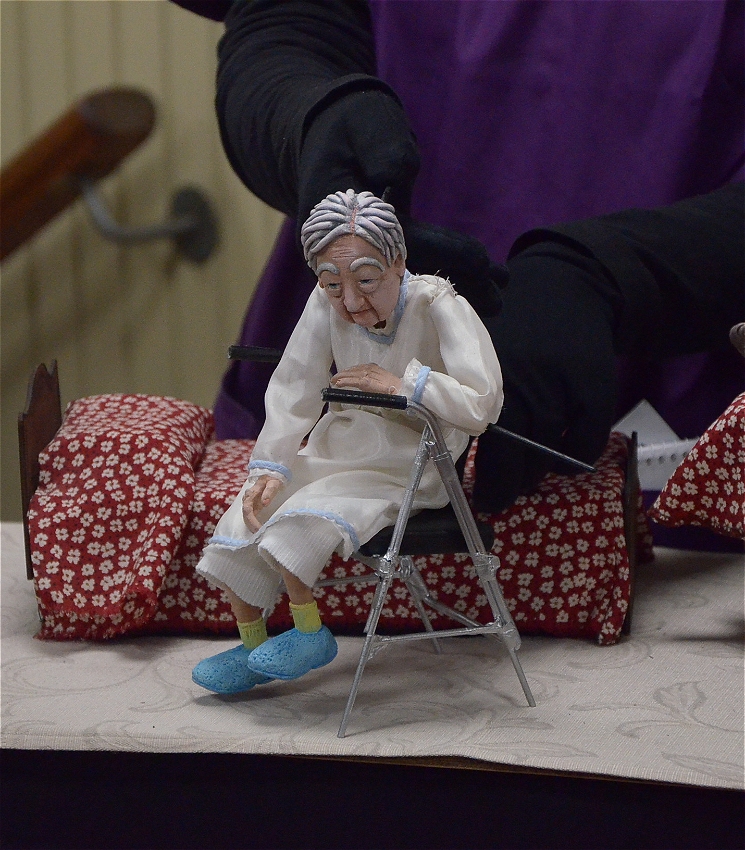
(399, 265)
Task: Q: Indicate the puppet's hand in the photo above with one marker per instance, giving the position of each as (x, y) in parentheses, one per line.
(258, 497)
(369, 378)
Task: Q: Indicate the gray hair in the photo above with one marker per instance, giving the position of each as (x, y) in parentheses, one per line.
(359, 214)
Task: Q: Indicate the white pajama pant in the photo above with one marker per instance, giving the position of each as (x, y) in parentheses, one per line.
(300, 543)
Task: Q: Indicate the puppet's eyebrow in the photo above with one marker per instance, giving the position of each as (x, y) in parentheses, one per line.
(365, 261)
(326, 267)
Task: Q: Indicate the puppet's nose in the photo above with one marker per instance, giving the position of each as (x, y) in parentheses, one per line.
(353, 300)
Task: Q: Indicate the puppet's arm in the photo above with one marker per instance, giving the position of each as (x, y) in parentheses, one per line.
(369, 378)
(468, 395)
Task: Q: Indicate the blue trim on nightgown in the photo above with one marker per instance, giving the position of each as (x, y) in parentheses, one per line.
(240, 543)
(271, 466)
(421, 380)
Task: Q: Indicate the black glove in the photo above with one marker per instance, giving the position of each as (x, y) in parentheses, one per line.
(460, 258)
(657, 283)
(363, 142)
(302, 115)
(554, 340)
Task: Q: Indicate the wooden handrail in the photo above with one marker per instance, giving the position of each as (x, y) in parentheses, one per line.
(90, 140)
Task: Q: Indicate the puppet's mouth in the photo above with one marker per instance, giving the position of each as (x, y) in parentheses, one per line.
(364, 316)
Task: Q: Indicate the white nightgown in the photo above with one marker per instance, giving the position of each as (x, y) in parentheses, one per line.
(347, 483)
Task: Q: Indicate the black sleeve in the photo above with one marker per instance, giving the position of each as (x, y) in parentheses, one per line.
(280, 63)
(678, 271)
(216, 10)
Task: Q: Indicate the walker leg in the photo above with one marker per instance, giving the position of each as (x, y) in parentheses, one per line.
(486, 570)
(381, 591)
(521, 676)
(418, 591)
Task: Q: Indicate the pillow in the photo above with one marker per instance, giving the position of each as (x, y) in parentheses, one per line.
(708, 488)
(188, 603)
(115, 488)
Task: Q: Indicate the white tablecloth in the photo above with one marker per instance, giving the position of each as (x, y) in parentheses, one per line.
(665, 704)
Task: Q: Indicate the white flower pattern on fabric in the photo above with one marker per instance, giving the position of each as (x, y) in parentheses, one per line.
(708, 488)
(114, 574)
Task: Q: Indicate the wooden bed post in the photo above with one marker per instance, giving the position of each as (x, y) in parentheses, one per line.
(37, 426)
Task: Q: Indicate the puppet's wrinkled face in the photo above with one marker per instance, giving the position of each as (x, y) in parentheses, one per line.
(361, 286)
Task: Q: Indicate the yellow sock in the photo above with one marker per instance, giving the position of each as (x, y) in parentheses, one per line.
(253, 634)
(306, 617)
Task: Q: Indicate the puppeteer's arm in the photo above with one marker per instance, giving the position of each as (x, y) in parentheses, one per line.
(293, 399)
(674, 274)
(302, 114)
(468, 395)
(654, 283)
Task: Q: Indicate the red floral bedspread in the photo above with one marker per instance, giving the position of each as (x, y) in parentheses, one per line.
(132, 488)
(708, 488)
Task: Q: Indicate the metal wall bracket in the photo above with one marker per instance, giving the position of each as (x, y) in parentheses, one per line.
(192, 225)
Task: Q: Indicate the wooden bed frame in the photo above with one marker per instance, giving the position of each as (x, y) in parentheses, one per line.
(37, 425)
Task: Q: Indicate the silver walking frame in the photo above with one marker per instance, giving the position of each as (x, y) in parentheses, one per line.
(393, 565)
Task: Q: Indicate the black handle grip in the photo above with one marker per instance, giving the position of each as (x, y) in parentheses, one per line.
(396, 402)
(255, 353)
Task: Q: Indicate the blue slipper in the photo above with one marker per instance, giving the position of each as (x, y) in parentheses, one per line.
(228, 672)
(293, 654)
